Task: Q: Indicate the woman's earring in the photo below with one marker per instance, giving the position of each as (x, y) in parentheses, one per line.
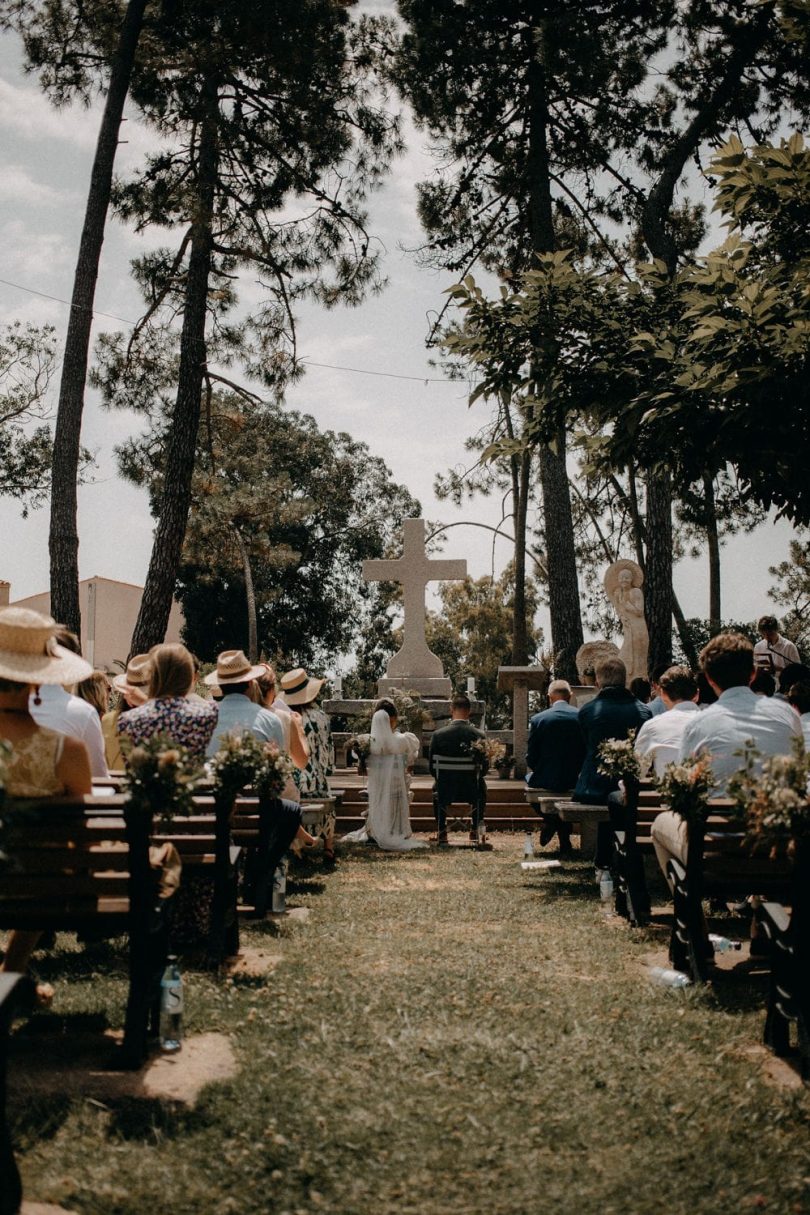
(37, 697)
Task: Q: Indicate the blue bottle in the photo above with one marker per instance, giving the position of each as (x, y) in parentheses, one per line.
(171, 1007)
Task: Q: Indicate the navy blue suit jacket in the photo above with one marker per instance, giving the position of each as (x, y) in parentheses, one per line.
(555, 749)
(611, 713)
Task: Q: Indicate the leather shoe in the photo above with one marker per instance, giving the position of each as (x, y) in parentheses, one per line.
(547, 835)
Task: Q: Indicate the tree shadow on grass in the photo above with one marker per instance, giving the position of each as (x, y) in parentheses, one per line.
(98, 957)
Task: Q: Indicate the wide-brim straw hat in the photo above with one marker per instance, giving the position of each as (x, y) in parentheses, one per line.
(297, 687)
(134, 682)
(233, 666)
(29, 653)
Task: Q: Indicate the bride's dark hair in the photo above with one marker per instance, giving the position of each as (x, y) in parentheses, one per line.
(387, 706)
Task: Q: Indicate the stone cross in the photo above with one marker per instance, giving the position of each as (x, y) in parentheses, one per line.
(414, 569)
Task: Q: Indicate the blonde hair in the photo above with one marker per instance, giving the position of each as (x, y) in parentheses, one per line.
(95, 689)
(172, 672)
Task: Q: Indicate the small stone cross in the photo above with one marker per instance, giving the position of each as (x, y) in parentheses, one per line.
(414, 569)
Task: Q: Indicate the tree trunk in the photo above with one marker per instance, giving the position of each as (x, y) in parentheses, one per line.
(250, 598)
(520, 629)
(658, 573)
(63, 539)
(563, 591)
(181, 442)
(563, 588)
(713, 543)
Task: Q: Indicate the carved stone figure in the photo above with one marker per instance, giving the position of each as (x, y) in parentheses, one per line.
(590, 655)
(622, 583)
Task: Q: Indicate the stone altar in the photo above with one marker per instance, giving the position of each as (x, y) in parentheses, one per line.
(520, 681)
(414, 667)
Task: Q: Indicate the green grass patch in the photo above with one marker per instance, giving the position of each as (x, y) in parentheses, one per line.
(444, 1034)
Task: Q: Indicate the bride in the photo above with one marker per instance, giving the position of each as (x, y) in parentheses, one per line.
(388, 822)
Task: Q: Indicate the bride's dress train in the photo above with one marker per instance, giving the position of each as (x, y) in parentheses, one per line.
(388, 821)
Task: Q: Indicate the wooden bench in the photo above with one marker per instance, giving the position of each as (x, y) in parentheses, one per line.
(83, 863)
(16, 997)
(787, 928)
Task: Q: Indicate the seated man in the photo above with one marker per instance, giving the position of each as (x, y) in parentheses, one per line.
(454, 741)
(554, 756)
(237, 712)
(799, 699)
(722, 729)
(611, 714)
(658, 742)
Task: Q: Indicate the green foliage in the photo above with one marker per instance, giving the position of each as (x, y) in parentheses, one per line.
(27, 365)
(792, 591)
(161, 776)
(686, 787)
(238, 760)
(309, 507)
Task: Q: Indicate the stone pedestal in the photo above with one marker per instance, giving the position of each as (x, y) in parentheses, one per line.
(520, 681)
(436, 688)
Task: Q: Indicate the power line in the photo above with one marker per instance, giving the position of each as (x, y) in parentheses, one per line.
(389, 375)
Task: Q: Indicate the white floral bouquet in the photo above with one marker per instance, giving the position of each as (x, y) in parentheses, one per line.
(777, 808)
(618, 758)
(238, 760)
(161, 776)
(685, 787)
(274, 772)
(361, 743)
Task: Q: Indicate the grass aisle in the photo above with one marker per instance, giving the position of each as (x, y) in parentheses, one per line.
(445, 1034)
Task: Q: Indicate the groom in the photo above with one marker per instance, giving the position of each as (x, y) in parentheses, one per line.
(454, 741)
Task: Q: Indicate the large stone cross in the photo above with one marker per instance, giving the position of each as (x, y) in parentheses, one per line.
(414, 569)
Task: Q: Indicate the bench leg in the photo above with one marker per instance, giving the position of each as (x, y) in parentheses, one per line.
(10, 1185)
(587, 839)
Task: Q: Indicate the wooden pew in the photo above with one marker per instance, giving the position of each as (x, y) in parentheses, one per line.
(83, 864)
(787, 928)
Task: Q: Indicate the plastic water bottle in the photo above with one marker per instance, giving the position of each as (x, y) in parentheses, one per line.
(279, 904)
(723, 944)
(528, 846)
(171, 1007)
(481, 832)
(605, 885)
(669, 978)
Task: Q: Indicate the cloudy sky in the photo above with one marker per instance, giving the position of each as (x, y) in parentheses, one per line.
(416, 425)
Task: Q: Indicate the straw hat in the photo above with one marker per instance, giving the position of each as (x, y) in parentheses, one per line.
(134, 682)
(297, 687)
(233, 667)
(29, 653)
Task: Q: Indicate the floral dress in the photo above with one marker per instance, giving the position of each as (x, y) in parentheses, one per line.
(312, 780)
(188, 722)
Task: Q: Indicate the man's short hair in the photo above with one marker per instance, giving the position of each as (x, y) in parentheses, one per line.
(766, 623)
(763, 683)
(794, 672)
(728, 660)
(799, 696)
(67, 640)
(679, 683)
(560, 687)
(461, 701)
(611, 673)
(658, 670)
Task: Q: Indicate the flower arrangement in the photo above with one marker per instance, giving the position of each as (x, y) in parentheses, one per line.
(411, 713)
(618, 758)
(161, 776)
(778, 807)
(238, 760)
(488, 749)
(685, 787)
(274, 772)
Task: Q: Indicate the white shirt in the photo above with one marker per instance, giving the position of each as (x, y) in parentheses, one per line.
(737, 717)
(781, 653)
(805, 724)
(71, 715)
(658, 742)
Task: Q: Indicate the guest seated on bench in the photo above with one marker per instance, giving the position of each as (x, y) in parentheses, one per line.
(799, 699)
(658, 742)
(554, 756)
(612, 713)
(721, 730)
(43, 763)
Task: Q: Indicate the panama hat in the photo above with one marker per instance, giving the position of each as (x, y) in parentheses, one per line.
(297, 687)
(134, 682)
(29, 653)
(233, 666)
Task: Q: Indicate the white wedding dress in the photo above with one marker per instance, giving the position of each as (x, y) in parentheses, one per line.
(388, 821)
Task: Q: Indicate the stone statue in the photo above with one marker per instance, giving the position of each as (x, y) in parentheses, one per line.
(622, 583)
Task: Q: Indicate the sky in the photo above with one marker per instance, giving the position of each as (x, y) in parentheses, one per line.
(416, 423)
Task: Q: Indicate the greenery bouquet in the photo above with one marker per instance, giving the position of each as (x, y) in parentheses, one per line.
(274, 772)
(685, 788)
(777, 811)
(618, 758)
(238, 762)
(161, 776)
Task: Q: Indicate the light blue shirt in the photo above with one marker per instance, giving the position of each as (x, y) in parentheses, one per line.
(657, 706)
(739, 717)
(238, 713)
